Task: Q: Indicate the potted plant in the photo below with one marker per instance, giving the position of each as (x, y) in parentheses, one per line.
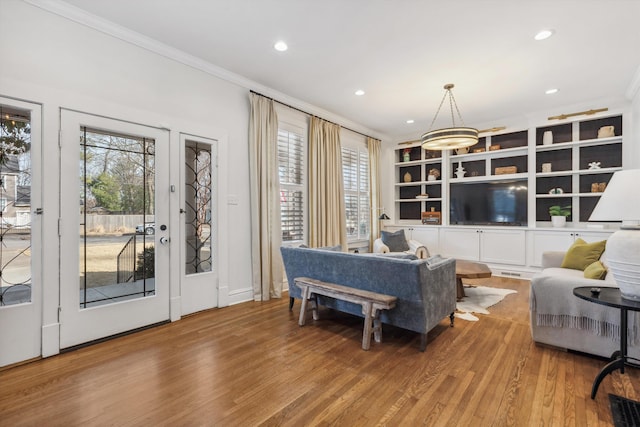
(559, 215)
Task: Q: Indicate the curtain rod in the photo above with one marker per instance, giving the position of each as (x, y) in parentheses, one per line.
(309, 114)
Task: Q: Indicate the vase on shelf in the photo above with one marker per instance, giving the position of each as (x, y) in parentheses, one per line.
(407, 177)
(460, 171)
(406, 157)
(558, 220)
(547, 138)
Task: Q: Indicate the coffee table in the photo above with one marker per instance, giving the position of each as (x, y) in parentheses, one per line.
(469, 270)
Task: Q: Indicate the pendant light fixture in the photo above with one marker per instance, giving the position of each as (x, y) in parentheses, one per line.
(452, 137)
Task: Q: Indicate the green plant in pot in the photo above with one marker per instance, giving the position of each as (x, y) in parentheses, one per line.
(559, 215)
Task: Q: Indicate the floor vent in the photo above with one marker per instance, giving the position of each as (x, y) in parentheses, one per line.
(625, 412)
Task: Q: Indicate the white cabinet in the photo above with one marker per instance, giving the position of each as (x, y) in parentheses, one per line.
(559, 240)
(428, 236)
(495, 246)
(461, 243)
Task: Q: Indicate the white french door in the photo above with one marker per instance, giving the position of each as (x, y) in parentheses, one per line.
(114, 237)
(199, 257)
(20, 231)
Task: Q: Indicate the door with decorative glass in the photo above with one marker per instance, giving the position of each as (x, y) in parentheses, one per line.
(20, 231)
(199, 290)
(114, 227)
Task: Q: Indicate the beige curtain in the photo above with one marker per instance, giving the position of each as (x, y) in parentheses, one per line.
(373, 146)
(266, 232)
(327, 218)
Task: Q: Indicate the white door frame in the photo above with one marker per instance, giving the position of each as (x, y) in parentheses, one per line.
(21, 333)
(78, 326)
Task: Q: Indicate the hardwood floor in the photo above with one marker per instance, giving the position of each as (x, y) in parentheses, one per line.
(251, 364)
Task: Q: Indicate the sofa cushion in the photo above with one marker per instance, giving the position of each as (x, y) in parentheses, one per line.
(595, 270)
(581, 254)
(395, 241)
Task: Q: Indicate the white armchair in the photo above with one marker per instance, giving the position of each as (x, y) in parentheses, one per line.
(415, 248)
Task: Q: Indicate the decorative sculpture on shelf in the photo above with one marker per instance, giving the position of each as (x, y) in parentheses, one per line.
(594, 165)
(460, 171)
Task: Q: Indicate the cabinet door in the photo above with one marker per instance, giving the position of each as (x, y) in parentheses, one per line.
(543, 241)
(592, 236)
(430, 237)
(460, 243)
(503, 246)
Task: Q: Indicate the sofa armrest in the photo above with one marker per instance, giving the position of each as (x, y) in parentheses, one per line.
(379, 247)
(552, 259)
(418, 249)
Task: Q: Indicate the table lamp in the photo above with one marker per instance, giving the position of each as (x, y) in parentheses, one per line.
(620, 202)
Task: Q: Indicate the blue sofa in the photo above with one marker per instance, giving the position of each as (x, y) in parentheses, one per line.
(426, 288)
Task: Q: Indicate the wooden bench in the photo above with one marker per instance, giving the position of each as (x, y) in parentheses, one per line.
(371, 302)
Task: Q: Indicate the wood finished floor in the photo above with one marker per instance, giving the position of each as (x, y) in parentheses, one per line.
(251, 364)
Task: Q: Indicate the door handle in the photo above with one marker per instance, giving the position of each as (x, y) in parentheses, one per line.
(164, 240)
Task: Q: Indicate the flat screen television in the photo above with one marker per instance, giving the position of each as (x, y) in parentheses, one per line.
(488, 203)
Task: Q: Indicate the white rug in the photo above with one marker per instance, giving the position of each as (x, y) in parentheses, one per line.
(478, 299)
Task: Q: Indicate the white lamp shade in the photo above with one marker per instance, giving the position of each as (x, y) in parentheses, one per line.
(620, 200)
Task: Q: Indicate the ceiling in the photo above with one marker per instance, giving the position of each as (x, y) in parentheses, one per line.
(402, 52)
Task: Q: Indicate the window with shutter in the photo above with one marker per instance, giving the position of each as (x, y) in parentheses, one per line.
(355, 171)
(292, 181)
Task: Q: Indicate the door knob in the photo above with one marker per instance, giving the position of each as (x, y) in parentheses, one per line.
(164, 240)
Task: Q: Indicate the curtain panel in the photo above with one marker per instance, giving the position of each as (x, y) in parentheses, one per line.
(266, 235)
(373, 146)
(327, 217)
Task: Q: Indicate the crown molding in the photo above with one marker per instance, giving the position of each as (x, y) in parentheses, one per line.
(110, 28)
(634, 86)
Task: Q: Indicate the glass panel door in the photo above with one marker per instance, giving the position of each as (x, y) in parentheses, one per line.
(114, 273)
(200, 278)
(20, 209)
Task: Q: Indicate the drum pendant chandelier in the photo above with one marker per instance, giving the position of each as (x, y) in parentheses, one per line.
(453, 137)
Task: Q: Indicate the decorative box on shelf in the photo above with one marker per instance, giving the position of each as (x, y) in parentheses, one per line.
(432, 217)
(506, 170)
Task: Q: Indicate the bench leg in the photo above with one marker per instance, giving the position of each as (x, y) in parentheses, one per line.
(377, 326)
(452, 316)
(303, 305)
(314, 302)
(367, 309)
(291, 303)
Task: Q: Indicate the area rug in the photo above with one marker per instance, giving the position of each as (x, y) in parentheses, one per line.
(478, 299)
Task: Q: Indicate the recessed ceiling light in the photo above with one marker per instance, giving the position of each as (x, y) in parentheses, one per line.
(280, 46)
(410, 121)
(551, 91)
(544, 34)
(359, 92)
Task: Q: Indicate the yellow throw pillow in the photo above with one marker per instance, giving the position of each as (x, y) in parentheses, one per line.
(595, 270)
(581, 254)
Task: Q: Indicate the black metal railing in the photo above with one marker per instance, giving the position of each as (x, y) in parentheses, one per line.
(127, 261)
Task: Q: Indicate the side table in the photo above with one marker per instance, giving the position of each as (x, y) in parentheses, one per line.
(611, 297)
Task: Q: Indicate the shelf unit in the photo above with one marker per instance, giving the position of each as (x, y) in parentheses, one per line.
(416, 183)
(575, 147)
(481, 165)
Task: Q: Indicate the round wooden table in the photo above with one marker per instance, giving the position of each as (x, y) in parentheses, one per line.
(469, 270)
